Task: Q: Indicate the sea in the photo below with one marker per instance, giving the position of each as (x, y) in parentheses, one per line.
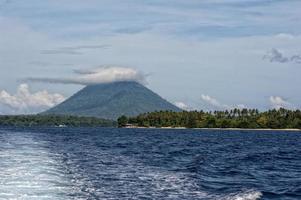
(111, 163)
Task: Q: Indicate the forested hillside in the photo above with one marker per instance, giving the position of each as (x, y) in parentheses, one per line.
(111, 100)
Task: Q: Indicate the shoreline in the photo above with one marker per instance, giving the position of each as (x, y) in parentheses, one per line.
(162, 128)
(250, 129)
(223, 129)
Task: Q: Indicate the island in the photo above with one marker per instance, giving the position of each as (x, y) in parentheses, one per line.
(54, 121)
(236, 118)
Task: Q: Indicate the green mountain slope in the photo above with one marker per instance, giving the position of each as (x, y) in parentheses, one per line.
(112, 100)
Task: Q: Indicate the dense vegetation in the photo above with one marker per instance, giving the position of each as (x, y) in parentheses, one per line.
(53, 120)
(245, 118)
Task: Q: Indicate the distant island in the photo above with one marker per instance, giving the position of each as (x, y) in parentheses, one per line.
(236, 118)
(131, 104)
(54, 121)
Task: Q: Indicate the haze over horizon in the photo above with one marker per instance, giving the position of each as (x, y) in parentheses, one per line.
(208, 54)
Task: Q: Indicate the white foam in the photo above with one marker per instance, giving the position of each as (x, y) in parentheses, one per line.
(28, 171)
(247, 195)
(176, 185)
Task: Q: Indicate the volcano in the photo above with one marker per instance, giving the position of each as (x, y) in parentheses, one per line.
(112, 100)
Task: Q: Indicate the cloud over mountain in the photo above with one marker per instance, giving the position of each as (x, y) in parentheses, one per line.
(24, 101)
(104, 74)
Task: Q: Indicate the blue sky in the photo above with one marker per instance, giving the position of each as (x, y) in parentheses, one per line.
(200, 54)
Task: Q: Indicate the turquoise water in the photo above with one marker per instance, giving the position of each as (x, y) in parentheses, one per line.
(104, 163)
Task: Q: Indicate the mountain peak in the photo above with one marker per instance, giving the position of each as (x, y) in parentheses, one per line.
(111, 100)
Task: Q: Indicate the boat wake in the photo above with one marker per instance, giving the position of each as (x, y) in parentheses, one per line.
(29, 171)
(247, 195)
(56, 166)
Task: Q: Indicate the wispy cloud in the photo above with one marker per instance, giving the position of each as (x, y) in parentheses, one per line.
(274, 55)
(218, 105)
(193, 41)
(61, 51)
(212, 101)
(182, 105)
(104, 74)
(73, 50)
(47, 64)
(278, 102)
(24, 101)
(191, 17)
(82, 47)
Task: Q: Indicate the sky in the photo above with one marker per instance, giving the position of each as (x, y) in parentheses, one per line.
(198, 54)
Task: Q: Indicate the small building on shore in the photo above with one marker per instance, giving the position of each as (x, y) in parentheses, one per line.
(130, 126)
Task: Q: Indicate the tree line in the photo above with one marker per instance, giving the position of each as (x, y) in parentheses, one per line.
(236, 118)
(53, 120)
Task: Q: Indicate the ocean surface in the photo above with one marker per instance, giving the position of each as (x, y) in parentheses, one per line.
(107, 163)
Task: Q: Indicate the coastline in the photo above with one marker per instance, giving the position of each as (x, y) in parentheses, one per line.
(223, 129)
(250, 129)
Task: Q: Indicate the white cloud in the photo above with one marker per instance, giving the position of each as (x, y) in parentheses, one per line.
(240, 106)
(212, 101)
(216, 104)
(25, 102)
(188, 60)
(182, 105)
(278, 102)
(285, 36)
(104, 74)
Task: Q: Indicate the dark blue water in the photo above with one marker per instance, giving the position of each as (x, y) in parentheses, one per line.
(79, 163)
